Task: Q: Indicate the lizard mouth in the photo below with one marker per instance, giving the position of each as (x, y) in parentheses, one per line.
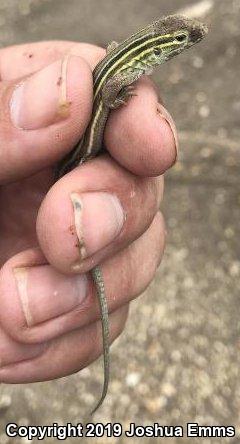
(198, 31)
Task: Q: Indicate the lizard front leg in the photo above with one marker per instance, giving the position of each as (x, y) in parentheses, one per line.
(111, 46)
(119, 89)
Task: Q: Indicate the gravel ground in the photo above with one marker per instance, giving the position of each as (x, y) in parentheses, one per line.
(182, 365)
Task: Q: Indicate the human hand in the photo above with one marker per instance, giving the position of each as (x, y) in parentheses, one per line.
(48, 306)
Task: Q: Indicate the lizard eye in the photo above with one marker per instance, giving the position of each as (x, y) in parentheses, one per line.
(157, 51)
(181, 38)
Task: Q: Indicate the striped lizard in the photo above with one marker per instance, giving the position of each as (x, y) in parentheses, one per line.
(113, 80)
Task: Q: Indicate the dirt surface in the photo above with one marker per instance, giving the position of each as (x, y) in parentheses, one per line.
(178, 359)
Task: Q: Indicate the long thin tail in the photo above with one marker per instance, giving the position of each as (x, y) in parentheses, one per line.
(99, 284)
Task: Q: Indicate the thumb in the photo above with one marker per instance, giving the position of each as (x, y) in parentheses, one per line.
(43, 116)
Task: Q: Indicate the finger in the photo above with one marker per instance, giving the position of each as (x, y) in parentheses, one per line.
(22, 60)
(142, 135)
(42, 116)
(38, 304)
(31, 364)
(95, 211)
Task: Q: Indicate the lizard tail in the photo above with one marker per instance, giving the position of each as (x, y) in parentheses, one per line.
(99, 284)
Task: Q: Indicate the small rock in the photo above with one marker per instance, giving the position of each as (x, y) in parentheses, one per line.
(198, 62)
(176, 355)
(5, 403)
(168, 390)
(234, 269)
(153, 405)
(204, 111)
(198, 9)
(133, 379)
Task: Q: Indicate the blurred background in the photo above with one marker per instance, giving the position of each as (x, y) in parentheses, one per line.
(183, 335)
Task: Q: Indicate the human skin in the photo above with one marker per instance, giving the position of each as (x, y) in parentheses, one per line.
(48, 303)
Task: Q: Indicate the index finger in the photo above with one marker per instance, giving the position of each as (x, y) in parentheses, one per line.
(141, 136)
(22, 60)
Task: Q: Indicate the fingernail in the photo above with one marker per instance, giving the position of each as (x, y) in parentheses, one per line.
(99, 218)
(45, 293)
(41, 99)
(168, 118)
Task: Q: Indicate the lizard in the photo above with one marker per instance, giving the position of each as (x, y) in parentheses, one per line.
(113, 85)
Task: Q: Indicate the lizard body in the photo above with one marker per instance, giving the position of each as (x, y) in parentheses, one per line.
(113, 77)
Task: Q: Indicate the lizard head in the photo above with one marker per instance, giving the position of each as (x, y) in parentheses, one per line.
(174, 34)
